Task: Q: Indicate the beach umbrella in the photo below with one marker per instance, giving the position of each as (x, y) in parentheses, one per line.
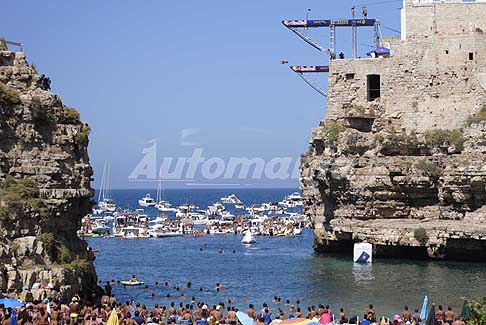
(113, 319)
(423, 312)
(11, 303)
(244, 318)
(465, 311)
(298, 321)
(13, 318)
(431, 319)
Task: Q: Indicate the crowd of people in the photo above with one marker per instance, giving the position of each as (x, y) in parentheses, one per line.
(107, 310)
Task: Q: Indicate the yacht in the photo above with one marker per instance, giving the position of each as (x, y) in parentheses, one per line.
(230, 199)
(164, 206)
(147, 201)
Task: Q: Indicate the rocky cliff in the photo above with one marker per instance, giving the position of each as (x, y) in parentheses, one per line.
(44, 185)
(400, 161)
(409, 194)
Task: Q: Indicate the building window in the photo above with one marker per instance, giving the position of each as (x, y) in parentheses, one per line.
(471, 56)
(349, 76)
(447, 51)
(374, 90)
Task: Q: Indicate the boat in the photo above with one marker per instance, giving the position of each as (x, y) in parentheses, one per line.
(147, 201)
(161, 205)
(164, 206)
(170, 234)
(105, 204)
(248, 238)
(132, 283)
(230, 199)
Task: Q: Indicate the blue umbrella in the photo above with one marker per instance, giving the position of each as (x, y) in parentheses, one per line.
(423, 312)
(10, 302)
(13, 318)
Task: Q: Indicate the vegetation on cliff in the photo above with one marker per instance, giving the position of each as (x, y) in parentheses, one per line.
(19, 195)
(440, 138)
(8, 95)
(477, 311)
(332, 130)
(477, 118)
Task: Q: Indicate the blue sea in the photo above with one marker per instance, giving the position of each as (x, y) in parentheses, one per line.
(275, 266)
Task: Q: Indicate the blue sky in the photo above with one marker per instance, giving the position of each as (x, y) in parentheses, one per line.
(148, 70)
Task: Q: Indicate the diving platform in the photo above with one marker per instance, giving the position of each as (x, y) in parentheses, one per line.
(300, 26)
(301, 70)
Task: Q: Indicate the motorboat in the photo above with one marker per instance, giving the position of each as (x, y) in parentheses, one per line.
(230, 199)
(147, 201)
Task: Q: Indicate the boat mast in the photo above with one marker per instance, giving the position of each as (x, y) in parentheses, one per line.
(102, 185)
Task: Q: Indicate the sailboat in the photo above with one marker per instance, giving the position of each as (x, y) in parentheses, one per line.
(104, 202)
(161, 205)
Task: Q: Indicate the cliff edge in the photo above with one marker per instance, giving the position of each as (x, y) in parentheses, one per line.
(400, 160)
(44, 186)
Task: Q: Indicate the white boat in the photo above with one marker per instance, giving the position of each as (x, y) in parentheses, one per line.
(248, 238)
(295, 196)
(132, 283)
(160, 204)
(230, 199)
(164, 206)
(170, 234)
(131, 233)
(147, 201)
(104, 202)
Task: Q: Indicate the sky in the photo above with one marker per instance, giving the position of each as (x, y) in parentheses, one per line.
(161, 81)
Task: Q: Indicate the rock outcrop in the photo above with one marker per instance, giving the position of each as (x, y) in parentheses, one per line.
(400, 161)
(44, 186)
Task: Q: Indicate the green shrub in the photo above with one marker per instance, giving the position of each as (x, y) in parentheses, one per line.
(331, 131)
(439, 138)
(477, 311)
(15, 246)
(17, 195)
(8, 95)
(72, 115)
(477, 118)
(77, 264)
(63, 254)
(48, 240)
(431, 169)
(420, 234)
(83, 135)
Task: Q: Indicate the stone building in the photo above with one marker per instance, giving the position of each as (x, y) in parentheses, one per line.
(399, 159)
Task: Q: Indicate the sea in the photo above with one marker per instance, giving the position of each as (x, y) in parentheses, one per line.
(286, 267)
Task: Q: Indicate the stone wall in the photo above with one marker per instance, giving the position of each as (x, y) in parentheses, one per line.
(406, 171)
(44, 185)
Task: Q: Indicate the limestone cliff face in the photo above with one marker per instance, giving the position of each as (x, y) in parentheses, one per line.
(44, 184)
(400, 161)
